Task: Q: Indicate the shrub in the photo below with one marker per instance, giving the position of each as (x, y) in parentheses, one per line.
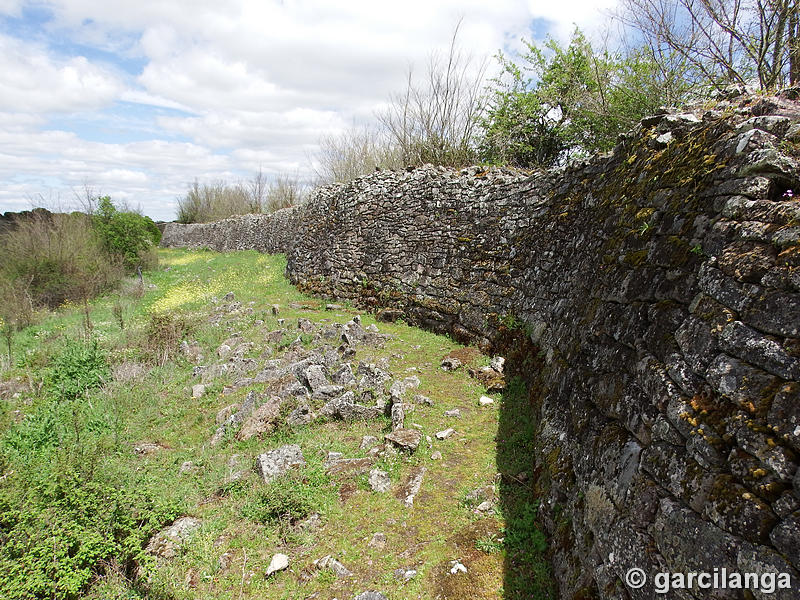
(127, 235)
(163, 334)
(78, 369)
(58, 533)
(51, 258)
(214, 201)
(291, 498)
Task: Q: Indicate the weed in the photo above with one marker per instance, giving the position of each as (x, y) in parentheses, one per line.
(79, 368)
(163, 334)
(489, 544)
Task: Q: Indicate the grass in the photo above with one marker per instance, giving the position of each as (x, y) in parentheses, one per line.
(245, 522)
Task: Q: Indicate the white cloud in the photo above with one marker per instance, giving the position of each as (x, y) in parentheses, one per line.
(33, 81)
(247, 84)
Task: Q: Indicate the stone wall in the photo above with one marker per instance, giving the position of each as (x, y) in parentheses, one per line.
(661, 286)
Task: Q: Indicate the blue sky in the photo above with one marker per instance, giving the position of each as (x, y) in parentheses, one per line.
(137, 99)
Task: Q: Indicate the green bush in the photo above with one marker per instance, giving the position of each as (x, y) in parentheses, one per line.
(127, 235)
(291, 498)
(78, 369)
(57, 534)
(49, 259)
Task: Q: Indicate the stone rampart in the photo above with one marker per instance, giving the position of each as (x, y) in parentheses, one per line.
(661, 286)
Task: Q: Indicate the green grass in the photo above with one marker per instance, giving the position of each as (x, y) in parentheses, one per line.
(67, 461)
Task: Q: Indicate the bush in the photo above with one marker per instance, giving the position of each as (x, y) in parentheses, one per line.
(215, 201)
(291, 498)
(58, 532)
(51, 258)
(78, 369)
(163, 334)
(127, 235)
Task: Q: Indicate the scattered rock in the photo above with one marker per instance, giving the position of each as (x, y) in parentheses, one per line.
(436, 455)
(405, 439)
(262, 420)
(226, 412)
(279, 562)
(187, 467)
(331, 564)
(344, 375)
(300, 416)
(167, 542)
(223, 351)
(275, 463)
(305, 325)
(334, 307)
(457, 567)
(229, 297)
(420, 399)
(401, 386)
(378, 541)
(370, 595)
(485, 401)
(484, 507)
(412, 485)
(198, 390)
(276, 309)
(315, 377)
(404, 574)
(452, 413)
(498, 363)
(367, 442)
(450, 363)
(443, 435)
(379, 481)
(345, 408)
(398, 415)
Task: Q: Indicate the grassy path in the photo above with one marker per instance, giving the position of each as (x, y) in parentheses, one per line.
(155, 440)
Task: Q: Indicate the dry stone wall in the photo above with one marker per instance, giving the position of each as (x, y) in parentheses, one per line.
(660, 285)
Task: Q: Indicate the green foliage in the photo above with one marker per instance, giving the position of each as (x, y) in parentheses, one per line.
(292, 498)
(125, 234)
(566, 100)
(489, 544)
(65, 511)
(78, 369)
(57, 534)
(49, 259)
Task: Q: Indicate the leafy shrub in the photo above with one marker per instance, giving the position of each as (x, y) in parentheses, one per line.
(127, 235)
(50, 258)
(163, 334)
(290, 499)
(57, 534)
(78, 369)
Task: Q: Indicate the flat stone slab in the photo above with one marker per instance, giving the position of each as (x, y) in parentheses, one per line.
(405, 439)
(275, 463)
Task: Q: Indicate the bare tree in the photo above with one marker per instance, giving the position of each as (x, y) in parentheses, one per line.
(436, 121)
(741, 42)
(283, 192)
(258, 187)
(354, 153)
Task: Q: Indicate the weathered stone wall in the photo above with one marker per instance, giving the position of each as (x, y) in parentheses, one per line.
(272, 233)
(661, 284)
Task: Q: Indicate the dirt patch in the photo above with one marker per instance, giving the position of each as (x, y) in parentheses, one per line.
(483, 578)
(468, 356)
(347, 490)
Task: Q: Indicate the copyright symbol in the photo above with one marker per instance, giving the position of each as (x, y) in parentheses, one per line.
(635, 578)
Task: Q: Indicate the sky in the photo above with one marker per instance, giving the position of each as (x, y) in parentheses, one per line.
(136, 100)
